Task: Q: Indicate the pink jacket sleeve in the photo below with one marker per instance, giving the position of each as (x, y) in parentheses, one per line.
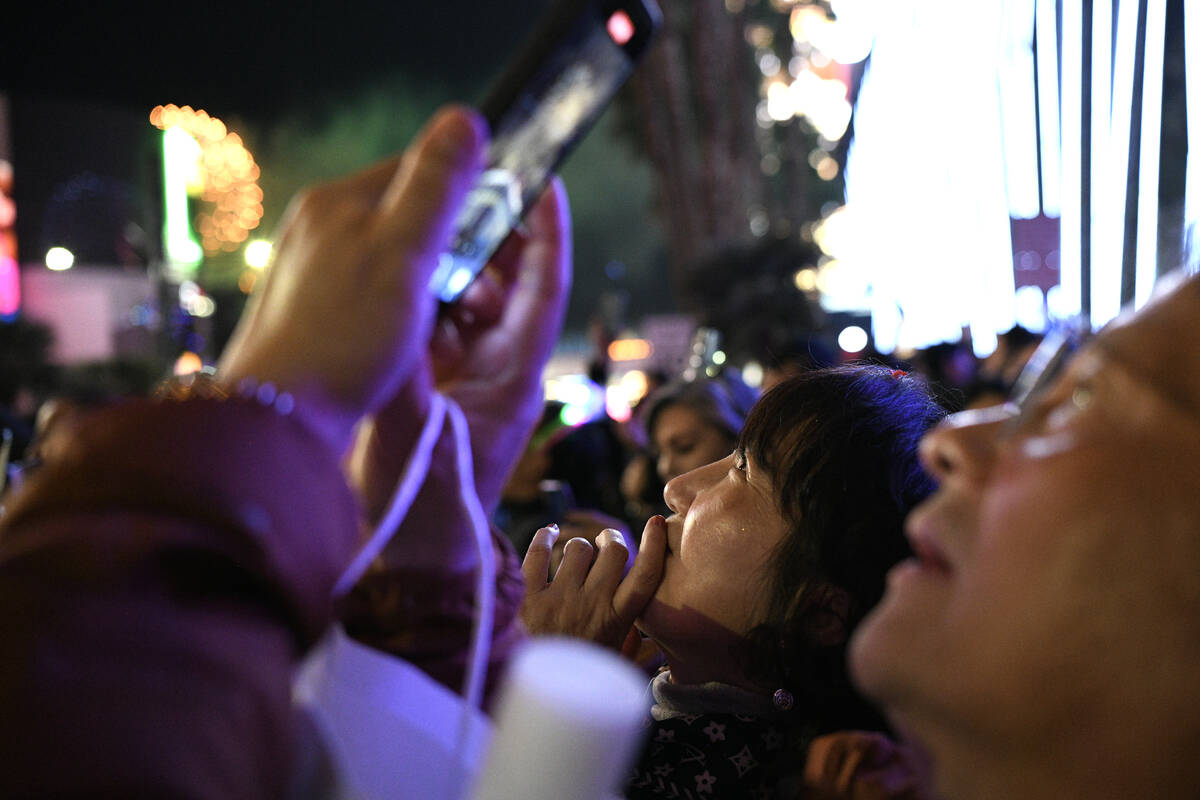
(157, 584)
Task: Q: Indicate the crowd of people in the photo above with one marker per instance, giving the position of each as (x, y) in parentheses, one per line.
(846, 592)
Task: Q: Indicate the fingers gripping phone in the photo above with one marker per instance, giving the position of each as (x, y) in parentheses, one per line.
(551, 94)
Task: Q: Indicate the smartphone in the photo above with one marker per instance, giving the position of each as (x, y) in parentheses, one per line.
(554, 90)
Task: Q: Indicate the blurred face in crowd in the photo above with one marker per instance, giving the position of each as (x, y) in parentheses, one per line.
(723, 529)
(685, 440)
(56, 425)
(1046, 640)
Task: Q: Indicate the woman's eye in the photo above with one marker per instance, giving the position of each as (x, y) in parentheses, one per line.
(739, 460)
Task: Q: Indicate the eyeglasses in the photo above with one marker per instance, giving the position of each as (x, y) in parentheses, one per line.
(1047, 362)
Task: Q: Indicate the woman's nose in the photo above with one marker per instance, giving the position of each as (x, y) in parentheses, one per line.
(680, 491)
(964, 445)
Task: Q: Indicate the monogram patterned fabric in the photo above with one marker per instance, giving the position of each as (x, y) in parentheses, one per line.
(710, 741)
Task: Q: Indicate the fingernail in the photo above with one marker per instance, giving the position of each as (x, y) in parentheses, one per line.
(614, 535)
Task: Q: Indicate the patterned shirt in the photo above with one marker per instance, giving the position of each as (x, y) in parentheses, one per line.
(710, 741)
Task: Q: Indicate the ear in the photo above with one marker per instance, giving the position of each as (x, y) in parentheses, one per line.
(826, 610)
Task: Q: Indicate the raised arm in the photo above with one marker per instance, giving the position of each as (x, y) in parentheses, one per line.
(159, 577)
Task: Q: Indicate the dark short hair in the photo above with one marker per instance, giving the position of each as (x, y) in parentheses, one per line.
(840, 447)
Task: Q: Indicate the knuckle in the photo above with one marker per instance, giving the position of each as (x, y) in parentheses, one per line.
(611, 536)
(578, 544)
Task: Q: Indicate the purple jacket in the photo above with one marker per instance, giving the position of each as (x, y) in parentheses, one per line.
(159, 581)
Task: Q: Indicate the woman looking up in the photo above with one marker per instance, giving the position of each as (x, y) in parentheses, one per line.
(769, 559)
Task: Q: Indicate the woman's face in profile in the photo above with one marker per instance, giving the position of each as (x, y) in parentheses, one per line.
(724, 528)
(685, 440)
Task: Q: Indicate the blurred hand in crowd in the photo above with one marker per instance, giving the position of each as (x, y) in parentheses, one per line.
(345, 317)
(487, 353)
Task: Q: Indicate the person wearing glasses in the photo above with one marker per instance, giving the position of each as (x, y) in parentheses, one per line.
(1044, 642)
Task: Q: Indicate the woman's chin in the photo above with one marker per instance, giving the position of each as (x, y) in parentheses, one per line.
(653, 619)
(687, 634)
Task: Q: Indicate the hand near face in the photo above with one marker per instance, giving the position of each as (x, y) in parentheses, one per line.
(588, 524)
(590, 598)
(346, 314)
(488, 352)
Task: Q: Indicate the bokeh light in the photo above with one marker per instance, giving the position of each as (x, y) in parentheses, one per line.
(635, 385)
(752, 374)
(247, 280)
(616, 403)
(59, 259)
(630, 349)
(834, 234)
(187, 363)
(193, 300)
(226, 178)
(258, 254)
(853, 339)
(806, 279)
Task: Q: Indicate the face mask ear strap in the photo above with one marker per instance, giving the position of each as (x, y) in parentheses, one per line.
(485, 590)
(415, 470)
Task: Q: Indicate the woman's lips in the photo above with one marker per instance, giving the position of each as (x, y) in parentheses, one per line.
(929, 555)
(674, 525)
(921, 531)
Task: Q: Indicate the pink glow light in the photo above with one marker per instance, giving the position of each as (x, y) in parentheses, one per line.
(620, 27)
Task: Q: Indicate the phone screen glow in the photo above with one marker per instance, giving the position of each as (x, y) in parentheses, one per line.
(567, 94)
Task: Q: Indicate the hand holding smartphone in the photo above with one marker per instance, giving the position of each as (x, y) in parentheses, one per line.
(550, 95)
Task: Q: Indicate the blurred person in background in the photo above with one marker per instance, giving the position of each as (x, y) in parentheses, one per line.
(74, 393)
(26, 375)
(800, 354)
(998, 373)
(950, 368)
(559, 464)
(526, 501)
(682, 425)
(693, 423)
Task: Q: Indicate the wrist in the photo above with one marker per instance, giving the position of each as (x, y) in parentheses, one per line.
(307, 410)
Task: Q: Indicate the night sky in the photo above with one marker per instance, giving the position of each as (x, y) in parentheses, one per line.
(250, 59)
(81, 79)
